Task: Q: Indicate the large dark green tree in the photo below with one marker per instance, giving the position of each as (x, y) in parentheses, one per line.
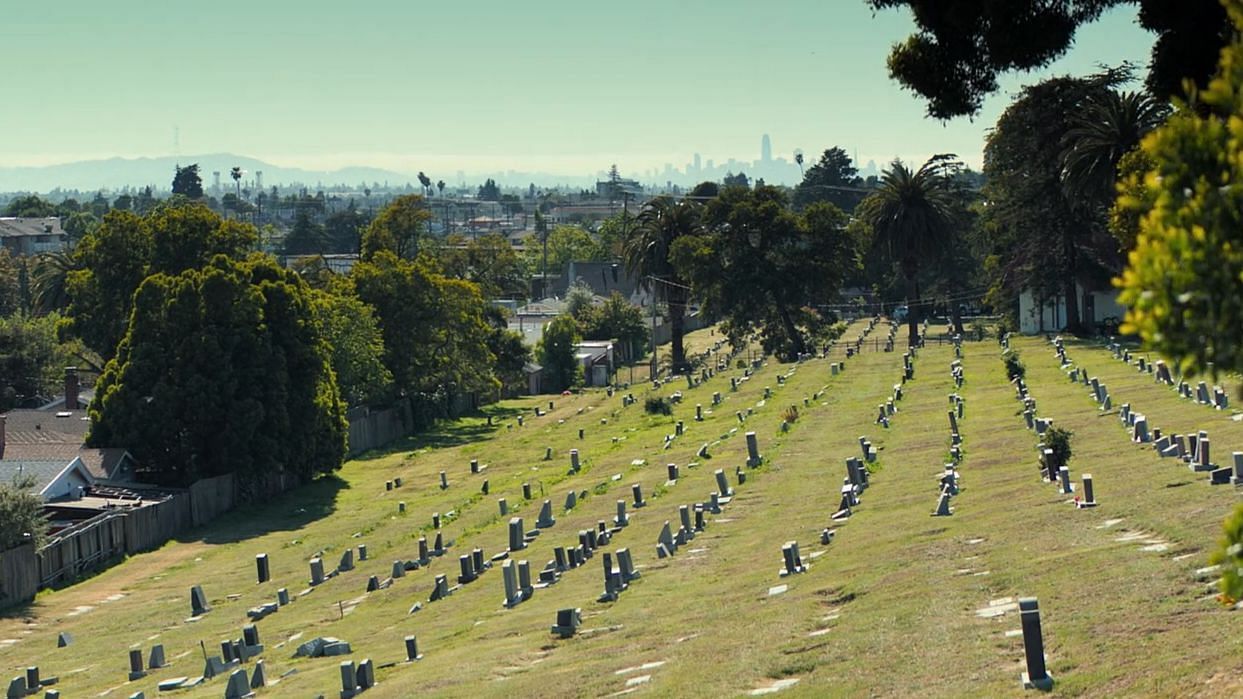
(398, 228)
(435, 334)
(912, 215)
(646, 253)
(764, 268)
(111, 262)
(834, 179)
(1044, 241)
(186, 182)
(962, 46)
(222, 369)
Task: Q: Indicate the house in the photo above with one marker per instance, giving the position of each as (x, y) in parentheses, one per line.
(48, 446)
(604, 278)
(1097, 308)
(596, 359)
(32, 236)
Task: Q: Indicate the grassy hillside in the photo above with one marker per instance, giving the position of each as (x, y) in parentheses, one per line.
(900, 602)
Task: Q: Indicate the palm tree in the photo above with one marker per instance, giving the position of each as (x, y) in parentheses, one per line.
(645, 253)
(912, 214)
(1110, 125)
(48, 281)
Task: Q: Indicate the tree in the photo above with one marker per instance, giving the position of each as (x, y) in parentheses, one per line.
(510, 350)
(489, 191)
(435, 336)
(739, 180)
(306, 237)
(30, 206)
(1183, 284)
(834, 179)
(11, 296)
(963, 45)
(564, 243)
(49, 278)
(488, 260)
(77, 225)
(343, 229)
(397, 228)
(22, 518)
(440, 187)
(186, 182)
(113, 260)
(913, 214)
(32, 360)
(764, 268)
(646, 254)
(615, 319)
(356, 344)
(1109, 125)
(1042, 241)
(556, 354)
(222, 370)
(236, 173)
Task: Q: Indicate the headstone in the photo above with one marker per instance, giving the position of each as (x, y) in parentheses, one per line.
(399, 570)
(517, 535)
(1065, 485)
(444, 481)
(637, 491)
(684, 515)
(753, 451)
(1089, 495)
(347, 561)
(1237, 478)
(238, 686)
(1036, 677)
(373, 583)
(349, 680)
(156, 659)
(504, 506)
(424, 554)
(258, 678)
(943, 505)
(198, 601)
(621, 519)
(524, 579)
(568, 621)
(362, 552)
(546, 519)
(526, 491)
(722, 483)
(512, 595)
(441, 589)
(673, 472)
(793, 562)
(261, 568)
(571, 499)
(282, 596)
(65, 638)
(574, 464)
(136, 670)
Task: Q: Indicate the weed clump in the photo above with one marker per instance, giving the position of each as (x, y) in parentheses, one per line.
(657, 405)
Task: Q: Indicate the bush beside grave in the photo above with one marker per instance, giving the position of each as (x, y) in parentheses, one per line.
(657, 405)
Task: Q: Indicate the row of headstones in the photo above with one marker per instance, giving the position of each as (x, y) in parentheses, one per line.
(857, 478)
(1215, 396)
(1194, 450)
(1050, 470)
(856, 345)
(948, 479)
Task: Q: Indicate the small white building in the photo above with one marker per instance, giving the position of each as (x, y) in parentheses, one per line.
(1095, 308)
(596, 359)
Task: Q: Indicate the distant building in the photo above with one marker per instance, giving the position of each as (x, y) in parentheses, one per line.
(1096, 308)
(766, 149)
(618, 188)
(32, 236)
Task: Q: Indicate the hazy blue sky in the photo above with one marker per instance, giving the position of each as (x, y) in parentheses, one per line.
(565, 87)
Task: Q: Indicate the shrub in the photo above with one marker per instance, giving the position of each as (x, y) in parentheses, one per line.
(1058, 439)
(1014, 365)
(656, 405)
(1229, 555)
(790, 414)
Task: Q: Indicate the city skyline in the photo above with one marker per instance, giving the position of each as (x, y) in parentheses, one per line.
(559, 89)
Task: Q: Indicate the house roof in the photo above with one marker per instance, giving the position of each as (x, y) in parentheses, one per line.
(44, 471)
(27, 428)
(13, 227)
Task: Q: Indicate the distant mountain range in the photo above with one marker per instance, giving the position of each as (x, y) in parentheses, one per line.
(117, 173)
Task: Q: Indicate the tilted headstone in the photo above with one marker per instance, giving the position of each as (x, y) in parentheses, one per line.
(238, 686)
(156, 659)
(347, 561)
(546, 519)
(198, 601)
(262, 571)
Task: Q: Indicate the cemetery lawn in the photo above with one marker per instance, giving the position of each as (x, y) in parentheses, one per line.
(900, 603)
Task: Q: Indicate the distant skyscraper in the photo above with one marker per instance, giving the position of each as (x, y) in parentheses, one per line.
(215, 180)
(766, 149)
(697, 167)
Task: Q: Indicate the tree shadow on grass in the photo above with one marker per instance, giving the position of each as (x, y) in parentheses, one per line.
(449, 433)
(287, 512)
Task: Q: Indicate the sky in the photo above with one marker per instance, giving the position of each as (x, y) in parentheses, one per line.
(485, 85)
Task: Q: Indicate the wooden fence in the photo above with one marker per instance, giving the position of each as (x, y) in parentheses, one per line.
(87, 546)
(19, 575)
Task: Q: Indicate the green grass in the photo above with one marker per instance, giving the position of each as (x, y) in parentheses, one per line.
(897, 590)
